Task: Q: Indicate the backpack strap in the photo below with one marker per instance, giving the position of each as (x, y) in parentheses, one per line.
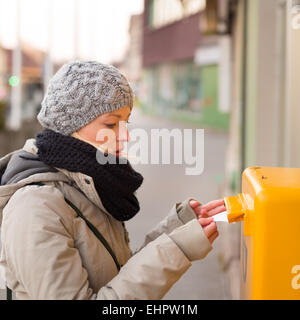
(95, 231)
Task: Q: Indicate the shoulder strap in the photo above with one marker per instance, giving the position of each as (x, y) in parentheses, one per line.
(8, 294)
(95, 231)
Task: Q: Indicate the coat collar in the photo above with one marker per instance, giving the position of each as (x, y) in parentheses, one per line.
(84, 182)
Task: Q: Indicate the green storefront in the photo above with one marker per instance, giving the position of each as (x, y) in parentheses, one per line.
(184, 91)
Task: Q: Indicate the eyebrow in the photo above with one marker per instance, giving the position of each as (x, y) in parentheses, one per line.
(116, 115)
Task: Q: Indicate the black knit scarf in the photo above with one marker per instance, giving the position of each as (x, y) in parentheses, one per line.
(115, 183)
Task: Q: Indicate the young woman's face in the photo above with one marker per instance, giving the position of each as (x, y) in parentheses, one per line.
(108, 131)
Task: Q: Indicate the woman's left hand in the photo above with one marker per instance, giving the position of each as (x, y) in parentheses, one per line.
(208, 210)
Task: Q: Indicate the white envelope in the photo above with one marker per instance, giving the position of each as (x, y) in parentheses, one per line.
(221, 217)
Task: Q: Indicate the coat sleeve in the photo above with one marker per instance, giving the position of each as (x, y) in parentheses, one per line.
(180, 214)
(40, 250)
(152, 271)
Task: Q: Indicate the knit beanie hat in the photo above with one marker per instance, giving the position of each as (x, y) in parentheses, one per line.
(81, 91)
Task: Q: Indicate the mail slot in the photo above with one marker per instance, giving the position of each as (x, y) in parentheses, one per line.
(269, 211)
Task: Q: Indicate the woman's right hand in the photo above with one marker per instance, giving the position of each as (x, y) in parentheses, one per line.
(210, 228)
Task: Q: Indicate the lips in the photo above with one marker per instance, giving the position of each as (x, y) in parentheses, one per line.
(117, 152)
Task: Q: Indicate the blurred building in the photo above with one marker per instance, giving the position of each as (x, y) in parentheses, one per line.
(31, 79)
(265, 104)
(131, 65)
(187, 61)
(31, 84)
(272, 95)
(3, 81)
(3, 87)
(133, 58)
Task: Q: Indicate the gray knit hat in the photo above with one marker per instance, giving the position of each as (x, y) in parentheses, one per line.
(81, 91)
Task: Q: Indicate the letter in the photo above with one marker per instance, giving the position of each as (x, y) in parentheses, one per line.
(165, 308)
(132, 309)
(101, 135)
(175, 309)
(115, 310)
(125, 310)
(165, 134)
(105, 310)
(190, 311)
(199, 158)
(149, 308)
(157, 309)
(296, 279)
(142, 146)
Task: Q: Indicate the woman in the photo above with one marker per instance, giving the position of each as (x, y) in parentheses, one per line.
(63, 233)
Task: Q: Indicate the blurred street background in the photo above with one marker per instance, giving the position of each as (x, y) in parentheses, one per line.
(230, 67)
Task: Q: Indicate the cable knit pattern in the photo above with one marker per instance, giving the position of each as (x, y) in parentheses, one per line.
(81, 91)
(115, 183)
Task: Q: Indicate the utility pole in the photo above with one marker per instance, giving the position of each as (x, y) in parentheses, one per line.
(14, 122)
(76, 28)
(48, 67)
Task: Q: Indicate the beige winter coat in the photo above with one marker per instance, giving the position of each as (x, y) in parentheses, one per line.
(48, 252)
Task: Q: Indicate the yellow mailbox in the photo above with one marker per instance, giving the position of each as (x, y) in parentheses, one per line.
(269, 208)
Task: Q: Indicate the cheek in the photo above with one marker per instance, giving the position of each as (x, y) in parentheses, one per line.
(89, 132)
(106, 136)
(99, 134)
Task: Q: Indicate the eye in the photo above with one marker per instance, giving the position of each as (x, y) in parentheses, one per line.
(110, 125)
